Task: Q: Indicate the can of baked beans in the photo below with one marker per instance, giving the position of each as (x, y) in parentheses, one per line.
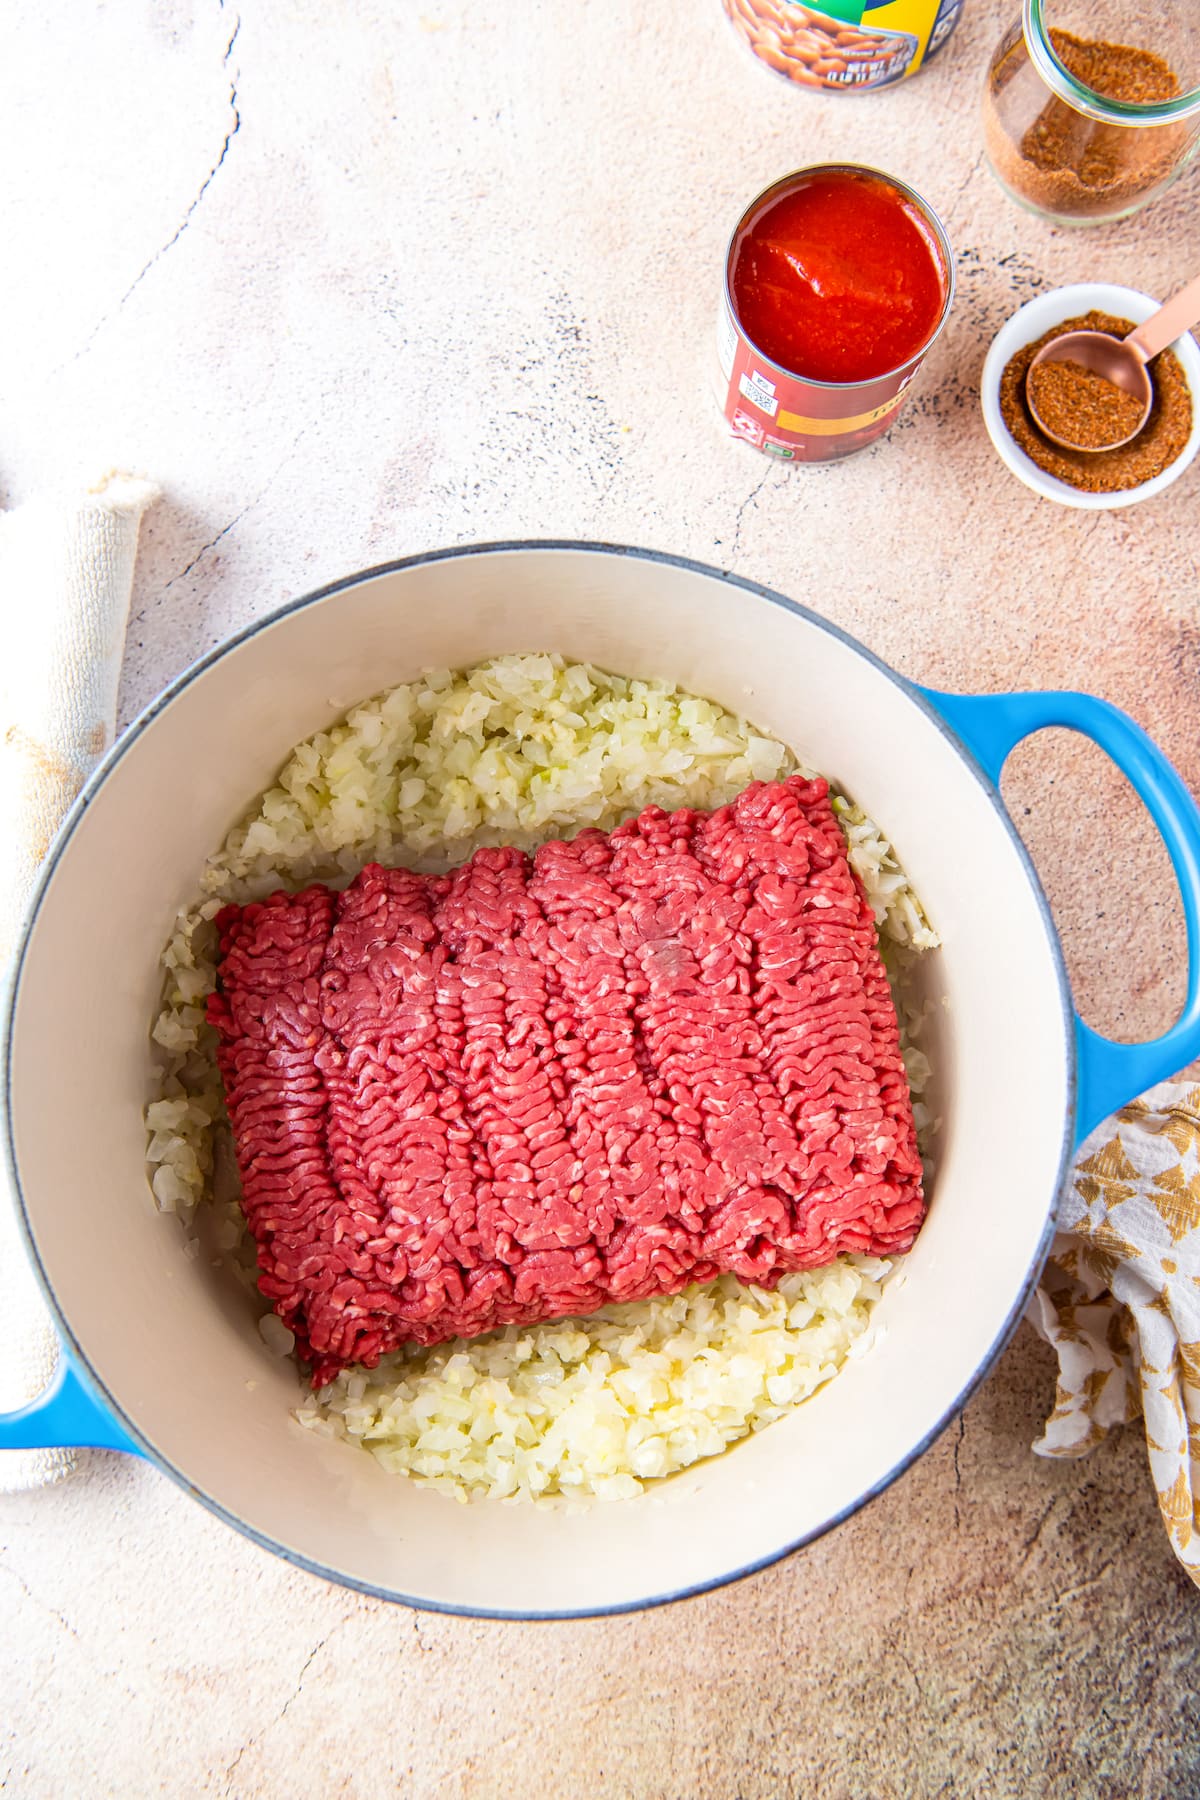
(838, 279)
(844, 45)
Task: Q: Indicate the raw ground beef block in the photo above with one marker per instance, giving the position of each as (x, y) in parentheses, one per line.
(537, 1085)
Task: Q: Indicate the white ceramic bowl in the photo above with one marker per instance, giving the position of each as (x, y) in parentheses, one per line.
(175, 1355)
(1039, 316)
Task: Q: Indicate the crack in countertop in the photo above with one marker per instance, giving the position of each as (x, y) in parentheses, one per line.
(162, 250)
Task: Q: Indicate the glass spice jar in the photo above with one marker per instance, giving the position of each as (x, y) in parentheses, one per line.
(1091, 108)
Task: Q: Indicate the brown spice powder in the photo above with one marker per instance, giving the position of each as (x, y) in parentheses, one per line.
(1063, 161)
(1081, 406)
(1154, 449)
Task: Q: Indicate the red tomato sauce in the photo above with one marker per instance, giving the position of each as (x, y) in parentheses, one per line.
(839, 279)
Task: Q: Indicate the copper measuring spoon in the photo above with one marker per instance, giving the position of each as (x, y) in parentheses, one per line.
(1122, 361)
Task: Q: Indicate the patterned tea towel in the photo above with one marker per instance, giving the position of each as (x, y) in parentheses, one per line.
(1120, 1299)
(66, 570)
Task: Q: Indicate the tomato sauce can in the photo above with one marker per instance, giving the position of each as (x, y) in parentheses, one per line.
(844, 46)
(794, 417)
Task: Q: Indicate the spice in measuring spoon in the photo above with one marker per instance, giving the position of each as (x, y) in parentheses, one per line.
(1081, 409)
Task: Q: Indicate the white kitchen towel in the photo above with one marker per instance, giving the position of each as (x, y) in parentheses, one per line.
(1119, 1299)
(66, 571)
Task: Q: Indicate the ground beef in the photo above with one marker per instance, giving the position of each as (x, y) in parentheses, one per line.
(537, 1085)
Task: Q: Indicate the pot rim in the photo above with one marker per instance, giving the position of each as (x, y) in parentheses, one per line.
(125, 743)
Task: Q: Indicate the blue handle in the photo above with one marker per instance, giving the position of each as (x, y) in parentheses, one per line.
(990, 726)
(68, 1413)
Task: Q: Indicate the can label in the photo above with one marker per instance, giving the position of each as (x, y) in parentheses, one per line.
(844, 44)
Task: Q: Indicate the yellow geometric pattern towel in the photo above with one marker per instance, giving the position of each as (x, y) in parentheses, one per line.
(1120, 1299)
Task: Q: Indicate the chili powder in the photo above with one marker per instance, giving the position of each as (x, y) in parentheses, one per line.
(1082, 406)
(1063, 162)
(1156, 446)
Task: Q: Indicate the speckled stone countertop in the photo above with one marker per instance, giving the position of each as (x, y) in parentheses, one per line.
(354, 280)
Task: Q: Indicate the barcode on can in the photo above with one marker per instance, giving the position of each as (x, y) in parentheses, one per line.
(760, 392)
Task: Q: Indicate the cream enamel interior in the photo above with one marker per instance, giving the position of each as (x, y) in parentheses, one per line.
(178, 1351)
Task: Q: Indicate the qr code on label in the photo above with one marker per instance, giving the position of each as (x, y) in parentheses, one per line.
(760, 392)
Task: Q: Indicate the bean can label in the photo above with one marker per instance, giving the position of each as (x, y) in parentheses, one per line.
(844, 44)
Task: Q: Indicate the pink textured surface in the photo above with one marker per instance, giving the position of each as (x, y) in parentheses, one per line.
(262, 322)
(537, 1085)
